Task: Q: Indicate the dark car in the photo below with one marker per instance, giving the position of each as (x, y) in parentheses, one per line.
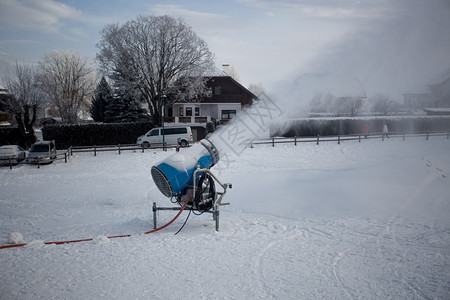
(12, 154)
(44, 151)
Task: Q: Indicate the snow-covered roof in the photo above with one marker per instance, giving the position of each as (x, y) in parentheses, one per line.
(437, 111)
(3, 90)
(215, 72)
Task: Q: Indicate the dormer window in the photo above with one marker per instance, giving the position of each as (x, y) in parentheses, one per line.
(218, 90)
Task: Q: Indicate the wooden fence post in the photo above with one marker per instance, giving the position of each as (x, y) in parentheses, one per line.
(95, 151)
(119, 149)
(273, 142)
(317, 139)
(427, 136)
(339, 139)
(295, 140)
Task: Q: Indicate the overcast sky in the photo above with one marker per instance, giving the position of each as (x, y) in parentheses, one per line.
(389, 45)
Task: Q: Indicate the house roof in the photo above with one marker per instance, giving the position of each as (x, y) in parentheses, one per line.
(425, 89)
(440, 78)
(418, 90)
(437, 111)
(3, 90)
(216, 72)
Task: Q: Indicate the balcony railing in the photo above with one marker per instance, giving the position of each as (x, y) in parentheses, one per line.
(192, 120)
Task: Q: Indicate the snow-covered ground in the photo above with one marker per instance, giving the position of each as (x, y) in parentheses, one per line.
(367, 220)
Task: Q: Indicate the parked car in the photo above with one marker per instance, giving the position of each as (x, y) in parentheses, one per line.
(45, 151)
(12, 153)
(173, 135)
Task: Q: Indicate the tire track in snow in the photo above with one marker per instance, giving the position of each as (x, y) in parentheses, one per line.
(336, 261)
(258, 264)
(265, 292)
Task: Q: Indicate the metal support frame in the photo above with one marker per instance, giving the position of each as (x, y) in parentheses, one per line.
(217, 201)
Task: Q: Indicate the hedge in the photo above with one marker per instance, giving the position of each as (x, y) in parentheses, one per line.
(67, 135)
(9, 135)
(346, 126)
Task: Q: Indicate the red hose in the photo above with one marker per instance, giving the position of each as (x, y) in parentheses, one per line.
(109, 237)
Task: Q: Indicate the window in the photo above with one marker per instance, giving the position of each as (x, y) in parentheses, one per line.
(153, 132)
(181, 111)
(218, 90)
(175, 130)
(197, 111)
(40, 148)
(188, 111)
(228, 114)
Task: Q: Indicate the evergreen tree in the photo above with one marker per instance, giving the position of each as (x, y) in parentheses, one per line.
(102, 96)
(125, 106)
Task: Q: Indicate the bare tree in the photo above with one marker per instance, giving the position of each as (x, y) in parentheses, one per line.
(257, 89)
(69, 81)
(24, 99)
(382, 104)
(328, 104)
(158, 55)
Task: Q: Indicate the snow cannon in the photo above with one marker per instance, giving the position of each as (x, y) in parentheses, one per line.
(186, 177)
(175, 173)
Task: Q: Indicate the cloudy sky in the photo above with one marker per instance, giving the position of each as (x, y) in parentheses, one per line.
(389, 45)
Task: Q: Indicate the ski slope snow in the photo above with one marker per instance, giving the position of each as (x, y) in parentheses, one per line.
(365, 220)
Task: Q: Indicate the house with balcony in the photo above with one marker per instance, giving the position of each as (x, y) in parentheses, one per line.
(227, 99)
(433, 98)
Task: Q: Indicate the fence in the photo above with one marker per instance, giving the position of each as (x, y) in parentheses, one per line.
(118, 148)
(47, 159)
(274, 140)
(317, 139)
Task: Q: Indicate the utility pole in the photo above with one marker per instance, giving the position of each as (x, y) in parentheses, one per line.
(163, 97)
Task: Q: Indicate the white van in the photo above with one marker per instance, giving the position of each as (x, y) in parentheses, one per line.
(173, 135)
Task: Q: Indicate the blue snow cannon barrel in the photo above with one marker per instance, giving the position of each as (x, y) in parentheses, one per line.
(173, 174)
